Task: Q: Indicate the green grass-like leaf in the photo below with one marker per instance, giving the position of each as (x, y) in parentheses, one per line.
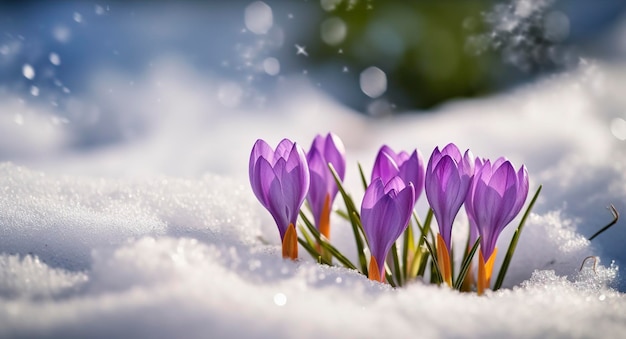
(465, 265)
(609, 225)
(308, 238)
(396, 265)
(357, 229)
(418, 266)
(312, 252)
(326, 245)
(362, 174)
(343, 214)
(435, 265)
(354, 220)
(425, 229)
(509, 253)
(408, 248)
(423, 261)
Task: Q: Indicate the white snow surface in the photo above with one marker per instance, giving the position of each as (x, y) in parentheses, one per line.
(160, 236)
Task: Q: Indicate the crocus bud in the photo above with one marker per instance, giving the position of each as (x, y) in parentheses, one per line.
(323, 190)
(448, 177)
(497, 194)
(410, 168)
(385, 213)
(280, 180)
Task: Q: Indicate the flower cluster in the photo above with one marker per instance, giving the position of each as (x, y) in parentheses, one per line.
(493, 194)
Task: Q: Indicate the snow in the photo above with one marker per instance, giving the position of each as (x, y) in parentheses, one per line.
(130, 214)
(160, 236)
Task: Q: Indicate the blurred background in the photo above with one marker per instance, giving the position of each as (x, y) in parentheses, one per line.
(378, 57)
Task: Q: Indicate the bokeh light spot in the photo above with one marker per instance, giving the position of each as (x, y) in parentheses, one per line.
(28, 71)
(280, 299)
(55, 59)
(330, 5)
(61, 34)
(271, 66)
(258, 17)
(373, 82)
(618, 128)
(333, 31)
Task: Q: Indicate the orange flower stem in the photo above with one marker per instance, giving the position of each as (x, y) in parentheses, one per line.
(484, 271)
(443, 259)
(324, 225)
(374, 271)
(290, 243)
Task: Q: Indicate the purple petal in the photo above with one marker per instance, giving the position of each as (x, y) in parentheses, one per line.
(384, 167)
(385, 218)
(451, 196)
(318, 143)
(447, 181)
(498, 193)
(297, 163)
(260, 150)
(395, 185)
(335, 153)
(282, 150)
(279, 204)
(373, 193)
(502, 178)
(469, 202)
(412, 170)
(452, 151)
(280, 180)
(262, 179)
(467, 165)
(433, 160)
(522, 188)
(324, 150)
(319, 183)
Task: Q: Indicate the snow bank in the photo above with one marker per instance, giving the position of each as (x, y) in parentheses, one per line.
(159, 235)
(166, 257)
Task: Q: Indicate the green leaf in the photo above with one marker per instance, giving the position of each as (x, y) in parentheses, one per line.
(357, 229)
(465, 265)
(452, 260)
(312, 252)
(434, 261)
(308, 239)
(389, 279)
(343, 214)
(609, 225)
(423, 261)
(396, 264)
(408, 249)
(426, 228)
(509, 253)
(363, 180)
(326, 245)
(354, 220)
(340, 257)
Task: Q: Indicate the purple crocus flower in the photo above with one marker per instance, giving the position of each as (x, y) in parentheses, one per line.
(323, 188)
(473, 231)
(496, 196)
(410, 168)
(448, 178)
(385, 213)
(280, 180)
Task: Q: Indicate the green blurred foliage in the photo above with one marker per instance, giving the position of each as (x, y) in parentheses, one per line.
(424, 47)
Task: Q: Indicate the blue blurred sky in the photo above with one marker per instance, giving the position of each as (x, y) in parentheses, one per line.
(212, 37)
